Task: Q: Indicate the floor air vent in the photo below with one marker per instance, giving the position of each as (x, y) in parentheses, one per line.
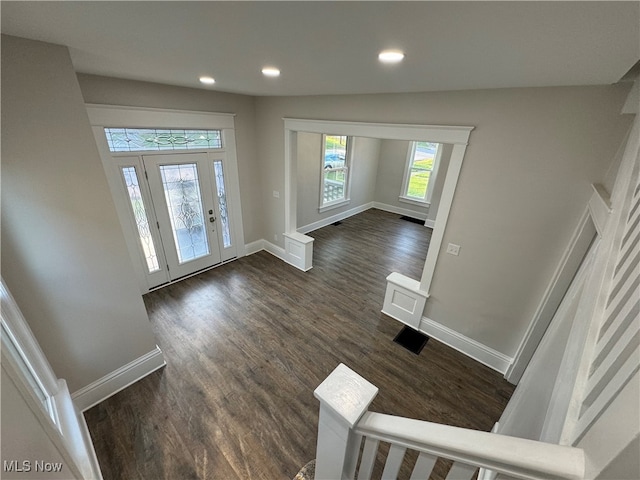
(411, 339)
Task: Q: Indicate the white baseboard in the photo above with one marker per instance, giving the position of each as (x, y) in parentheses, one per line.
(274, 250)
(400, 211)
(260, 245)
(334, 218)
(430, 223)
(471, 348)
(254, 247)
(118, 380)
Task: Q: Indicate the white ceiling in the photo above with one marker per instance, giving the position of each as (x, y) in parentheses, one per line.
(332, 47)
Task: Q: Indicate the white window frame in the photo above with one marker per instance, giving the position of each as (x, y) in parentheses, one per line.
(347, 174)
(45, 395)
(426, 201)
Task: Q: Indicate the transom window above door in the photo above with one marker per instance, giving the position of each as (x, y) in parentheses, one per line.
(146, 139)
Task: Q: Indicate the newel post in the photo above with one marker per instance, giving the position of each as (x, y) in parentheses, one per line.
(344, 397)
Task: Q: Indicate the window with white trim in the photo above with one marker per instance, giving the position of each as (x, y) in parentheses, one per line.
(420, 172)
(334, 188)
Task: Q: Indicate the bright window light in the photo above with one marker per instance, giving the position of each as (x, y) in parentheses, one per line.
(207, 80)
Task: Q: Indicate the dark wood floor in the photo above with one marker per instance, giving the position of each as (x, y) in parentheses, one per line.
(248, 342)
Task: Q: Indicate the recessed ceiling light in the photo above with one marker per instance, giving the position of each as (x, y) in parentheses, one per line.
(207, 80)
(390, 56)
(271, 72)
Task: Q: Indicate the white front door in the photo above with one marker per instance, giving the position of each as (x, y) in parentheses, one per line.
(182, 194)
(176, 210)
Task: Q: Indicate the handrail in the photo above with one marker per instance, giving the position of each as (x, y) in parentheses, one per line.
(518, 457)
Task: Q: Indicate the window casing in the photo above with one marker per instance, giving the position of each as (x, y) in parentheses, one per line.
(420, 172)
(335, 164)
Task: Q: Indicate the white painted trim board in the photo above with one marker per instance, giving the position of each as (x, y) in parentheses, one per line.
(400, 211)
(363, 208)
(334, 218)
(118, 380)
(471, 348)
(559, 284)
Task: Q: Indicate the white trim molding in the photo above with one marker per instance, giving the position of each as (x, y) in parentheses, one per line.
(600, 206)
(141, 117)
(298, 249)
(412, 201)
(458, 136)
(265, 245)
(118, 380)
(400, 211)
(274, 250)
(430, 223)
(569, 264)
(468, 346)
(396, 131)
(403, 300)
(335, 218)
(254, 247)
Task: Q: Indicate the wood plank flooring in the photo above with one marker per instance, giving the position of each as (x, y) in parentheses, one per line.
(248, 342)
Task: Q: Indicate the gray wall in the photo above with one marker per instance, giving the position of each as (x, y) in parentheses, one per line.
(393, 159)
(363, 170)
(64, 257)
(524, 184)
(113, 91)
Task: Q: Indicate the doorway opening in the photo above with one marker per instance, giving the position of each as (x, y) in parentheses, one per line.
(456, 136)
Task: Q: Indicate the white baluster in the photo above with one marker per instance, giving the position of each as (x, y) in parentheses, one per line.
(461, 471)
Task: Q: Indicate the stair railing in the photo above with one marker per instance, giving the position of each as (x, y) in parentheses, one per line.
(344, 423)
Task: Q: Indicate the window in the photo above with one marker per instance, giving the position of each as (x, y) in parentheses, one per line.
(420, 173)
(141, 139)
(334, 190)
(18, 351)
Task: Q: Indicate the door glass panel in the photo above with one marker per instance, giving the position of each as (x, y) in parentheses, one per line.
(222, 203)
(140, 216)
(182, 192)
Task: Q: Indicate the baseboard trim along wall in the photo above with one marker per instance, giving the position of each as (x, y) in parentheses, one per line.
(400, 211)
(335, 218)
(254, 247)
(118, 380)
(274, 250)
(471, 348)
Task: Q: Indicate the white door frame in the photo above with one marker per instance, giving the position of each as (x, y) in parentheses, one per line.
(458, 136)
(101, 116)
